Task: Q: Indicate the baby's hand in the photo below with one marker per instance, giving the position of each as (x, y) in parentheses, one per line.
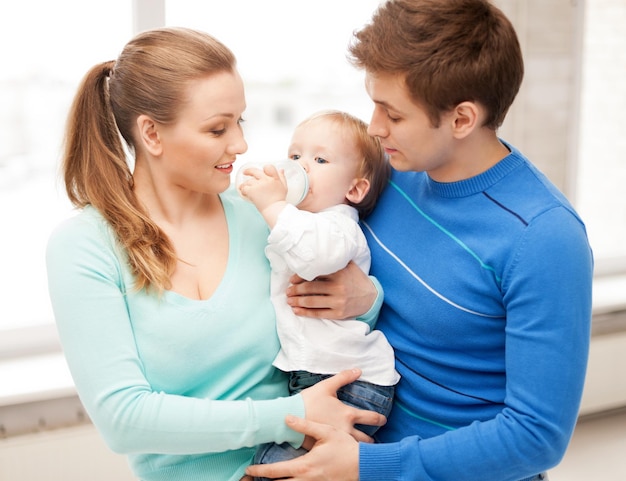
(264, 188)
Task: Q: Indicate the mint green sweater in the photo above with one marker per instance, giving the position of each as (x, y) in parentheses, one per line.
(185, 388)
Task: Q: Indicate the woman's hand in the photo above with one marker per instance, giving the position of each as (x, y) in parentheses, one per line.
(322, 406)
(334, 455)
(347, 293)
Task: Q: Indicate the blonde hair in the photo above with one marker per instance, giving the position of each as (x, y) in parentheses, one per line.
(374, 165)
(150, 77)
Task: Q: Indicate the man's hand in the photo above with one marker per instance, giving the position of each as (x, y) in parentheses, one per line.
(334, 456)
(347, 293)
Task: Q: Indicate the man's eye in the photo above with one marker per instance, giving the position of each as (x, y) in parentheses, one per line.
(320, 160)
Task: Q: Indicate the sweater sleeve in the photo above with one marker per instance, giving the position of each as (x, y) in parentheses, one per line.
(547, 295)
(87, 292)
(371, 316)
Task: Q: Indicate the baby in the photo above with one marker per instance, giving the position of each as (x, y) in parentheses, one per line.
(347, 169)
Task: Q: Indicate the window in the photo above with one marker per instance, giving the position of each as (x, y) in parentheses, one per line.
(292, 58)
(290, 68)
(602, 168)
(46, 48)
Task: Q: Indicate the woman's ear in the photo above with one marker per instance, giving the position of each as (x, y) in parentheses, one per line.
(466, 118)
(358, 190)
(149, 135)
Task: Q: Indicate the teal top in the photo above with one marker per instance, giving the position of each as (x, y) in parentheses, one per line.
(185, 388)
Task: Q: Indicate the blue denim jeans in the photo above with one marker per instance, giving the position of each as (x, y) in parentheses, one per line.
(359, 394)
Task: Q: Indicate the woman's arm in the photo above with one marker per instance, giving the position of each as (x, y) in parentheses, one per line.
(133, 415)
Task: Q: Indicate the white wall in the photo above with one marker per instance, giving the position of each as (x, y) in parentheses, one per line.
(71, 454)
(543, 121)
(605, 388)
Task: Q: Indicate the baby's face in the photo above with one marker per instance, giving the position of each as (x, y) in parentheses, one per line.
(331, 159)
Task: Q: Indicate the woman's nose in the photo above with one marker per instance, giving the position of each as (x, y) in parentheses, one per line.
(238, 144)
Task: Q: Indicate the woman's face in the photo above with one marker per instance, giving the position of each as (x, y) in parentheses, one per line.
(199, 149)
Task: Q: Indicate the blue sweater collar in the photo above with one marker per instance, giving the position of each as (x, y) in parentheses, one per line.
(480, 182)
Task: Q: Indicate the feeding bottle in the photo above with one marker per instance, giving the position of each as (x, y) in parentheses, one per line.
(295, 175)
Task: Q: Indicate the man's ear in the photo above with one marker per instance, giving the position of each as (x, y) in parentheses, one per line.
(149, 135)
(358, 190)
(466, 118)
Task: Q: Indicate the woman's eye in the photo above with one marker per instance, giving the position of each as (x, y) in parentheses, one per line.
(393, 119)
(217, 130)
(222, 130)
(320, 160)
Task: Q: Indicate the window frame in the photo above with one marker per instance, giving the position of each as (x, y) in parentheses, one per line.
(42, 339)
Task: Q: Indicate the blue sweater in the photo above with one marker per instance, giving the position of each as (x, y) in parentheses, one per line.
(185, 387)
(488, 305)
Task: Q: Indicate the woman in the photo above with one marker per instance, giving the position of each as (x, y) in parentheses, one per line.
(160, 286)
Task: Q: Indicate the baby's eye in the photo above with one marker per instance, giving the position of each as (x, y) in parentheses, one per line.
(294, 157)
(320, 160)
